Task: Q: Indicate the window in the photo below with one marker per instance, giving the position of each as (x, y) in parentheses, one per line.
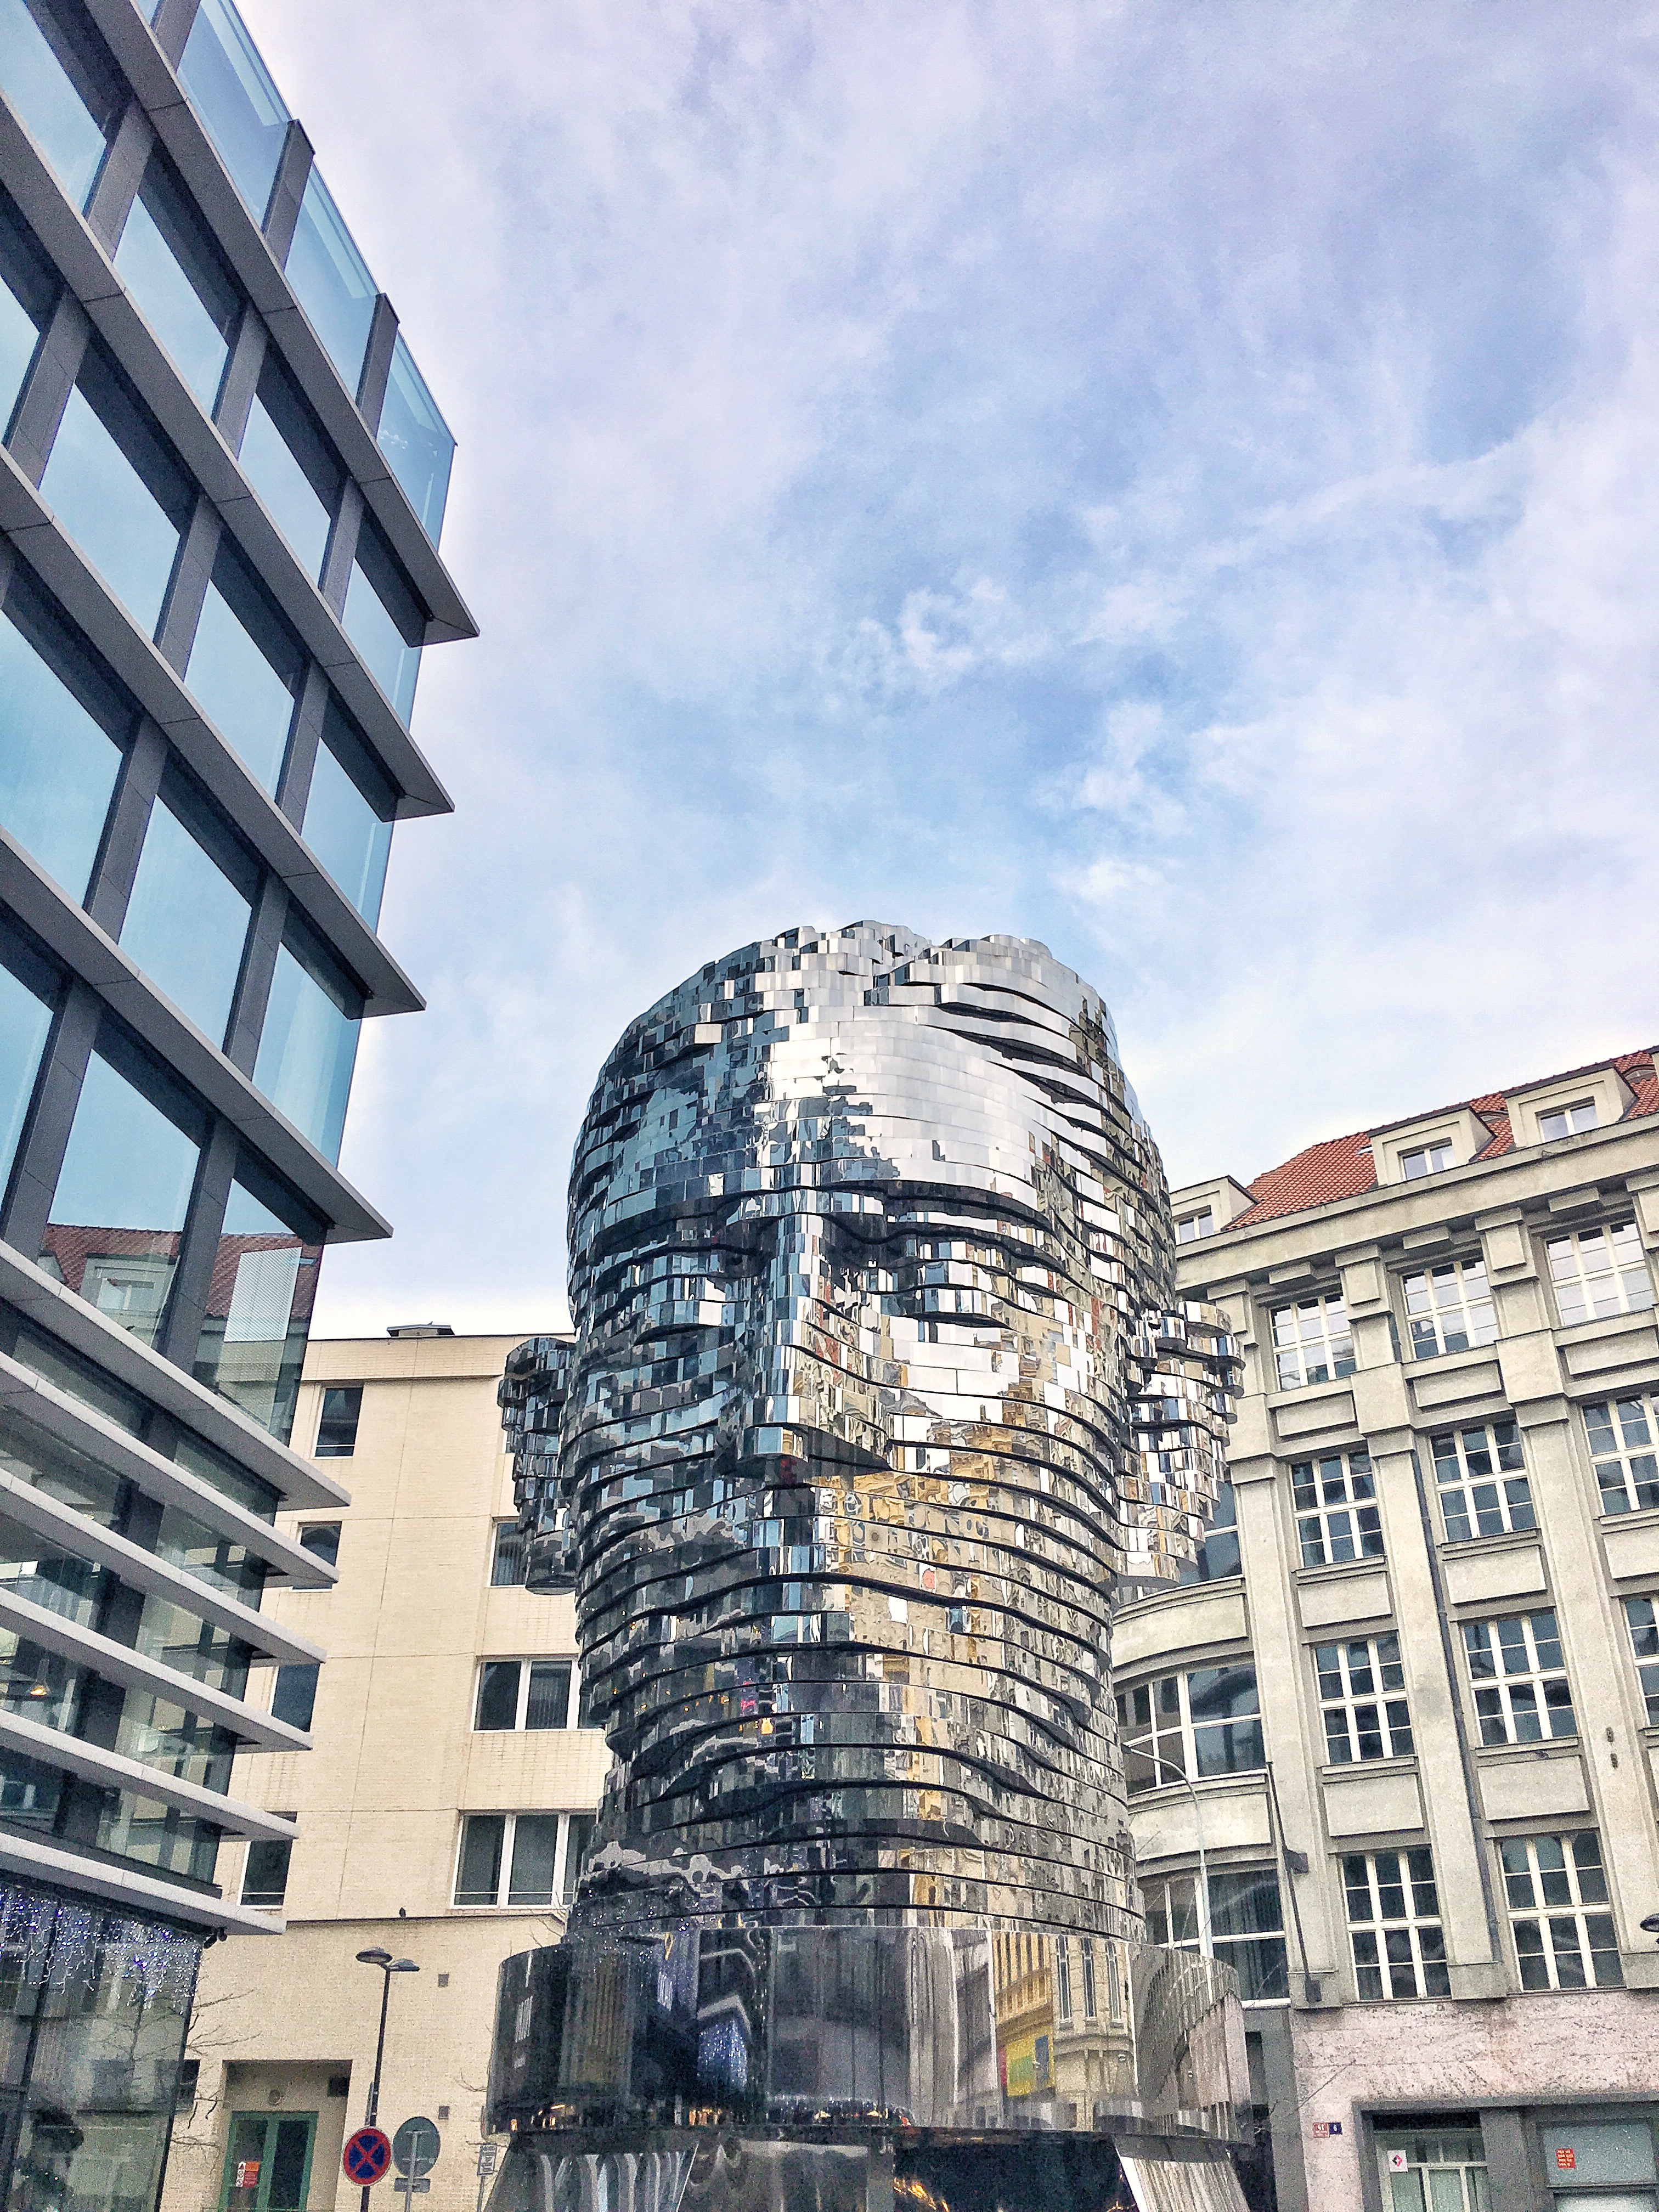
(348, 815)
(241, 110)
(246, 668)
(173, 272)
(337, 1430)
(1426, 1160)
(187, 918)
(1450, 1309)
(1247, 1924)
(331, 281)
(1311, 1343)
(1450, 2165)
(1521, 1689)
(28, 991)
(1484, 1489)
(323, 1537)
(291, 465)
(252, 1343)
(1217, 1556)
(1640, 1619)
(1337, 1518)
(1393, 1925)
(264, 1878)
(1362, 1694)
(384, 621)
(295, 1698)
(1554, 1884)
(63, 728)
(27, 296)
(124, 1186)
(1566, 1120)
(308, 1045)
(415, 438)
(539, 1853)
(508, 1563)
(1190, 1725)
(1598, 1272)
(1189, 1227)
(117, 489)
(1624, 1442)
(63, 85)
(524, 1693)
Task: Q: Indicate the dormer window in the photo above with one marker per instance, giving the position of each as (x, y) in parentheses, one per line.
(1425, 1160)
(1566, 1120)
(1191, 1226)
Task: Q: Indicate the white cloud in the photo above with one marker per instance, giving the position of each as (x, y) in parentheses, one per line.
(1176, 482)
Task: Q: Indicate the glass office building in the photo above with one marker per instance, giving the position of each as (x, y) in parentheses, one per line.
(220, 494)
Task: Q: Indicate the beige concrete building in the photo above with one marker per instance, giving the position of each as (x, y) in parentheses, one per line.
(440, 1815)
(1407, 1707)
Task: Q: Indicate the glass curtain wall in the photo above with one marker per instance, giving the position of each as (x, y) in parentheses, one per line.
(349, 814)
(188, 296)
(241, 110)
(264, 1284)
(308, 1045)
(116, 488)
(63, 732)
(63, 85)
(125, 1187)
(27, 296)
(193, 898)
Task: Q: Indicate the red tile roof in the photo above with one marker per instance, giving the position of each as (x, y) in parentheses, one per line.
(1343, 1167)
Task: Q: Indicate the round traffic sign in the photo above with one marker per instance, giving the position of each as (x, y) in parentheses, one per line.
(415, 2147)
(368, 2154)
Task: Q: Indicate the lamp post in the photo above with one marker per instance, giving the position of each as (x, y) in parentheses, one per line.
(388, 1966)
(1206, 1944)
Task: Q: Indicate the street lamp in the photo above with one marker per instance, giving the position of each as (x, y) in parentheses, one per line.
(1206, 1943)
(389, 1966)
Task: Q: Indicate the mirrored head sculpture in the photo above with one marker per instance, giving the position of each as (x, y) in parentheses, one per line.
(878, 1384)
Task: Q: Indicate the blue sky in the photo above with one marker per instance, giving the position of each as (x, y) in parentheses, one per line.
(1178, 482)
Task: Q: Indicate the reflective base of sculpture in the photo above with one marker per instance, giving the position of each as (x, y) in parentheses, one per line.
(838, 2069)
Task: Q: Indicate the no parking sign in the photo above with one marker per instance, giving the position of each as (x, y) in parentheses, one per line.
(368, 2154)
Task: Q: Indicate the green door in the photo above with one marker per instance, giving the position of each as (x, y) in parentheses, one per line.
(267, 2162)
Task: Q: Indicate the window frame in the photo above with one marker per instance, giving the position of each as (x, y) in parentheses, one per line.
(499, 1536)
(335, 1451)
(1646, 1662)
(1467, 1483)
(1436, 1155)
(1622, 1454)
(1498, 1685)
(1336, 1364)
(268, 1900)
(1631, 1260)
(1425, 1960)
(1209, 1927)
(1362, 1510)
(1476, 1333)
(1185, 1767)
(1384, 1698)
(1545, 1918)
(525, 1665)
(562, 1894)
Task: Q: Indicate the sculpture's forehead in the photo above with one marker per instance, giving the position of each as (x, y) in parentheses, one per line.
(877, 1100)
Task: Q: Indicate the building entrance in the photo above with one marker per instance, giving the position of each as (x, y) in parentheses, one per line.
(268, 2164)
(1444, 2171)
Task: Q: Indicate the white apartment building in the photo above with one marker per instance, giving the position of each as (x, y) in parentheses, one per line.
(1405, 1710)
(440, 1817)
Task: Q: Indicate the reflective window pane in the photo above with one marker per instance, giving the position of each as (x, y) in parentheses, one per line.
(309, 1042)
(253, 1344)
(27, 298)
(63, 86)
(295, 1697)
(245, 669)
(416, 439)
(116, 490)
(186, 920)
(28, 991)
(124, 1187)
(58, 754)
(187, 297)
(384, 622)
(332, 282)
(348, 811)
(534, 1852)
(289, 463)
(231, 89)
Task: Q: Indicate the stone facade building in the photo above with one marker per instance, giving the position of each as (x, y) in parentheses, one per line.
(1404, 1712)
(440, 1814)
